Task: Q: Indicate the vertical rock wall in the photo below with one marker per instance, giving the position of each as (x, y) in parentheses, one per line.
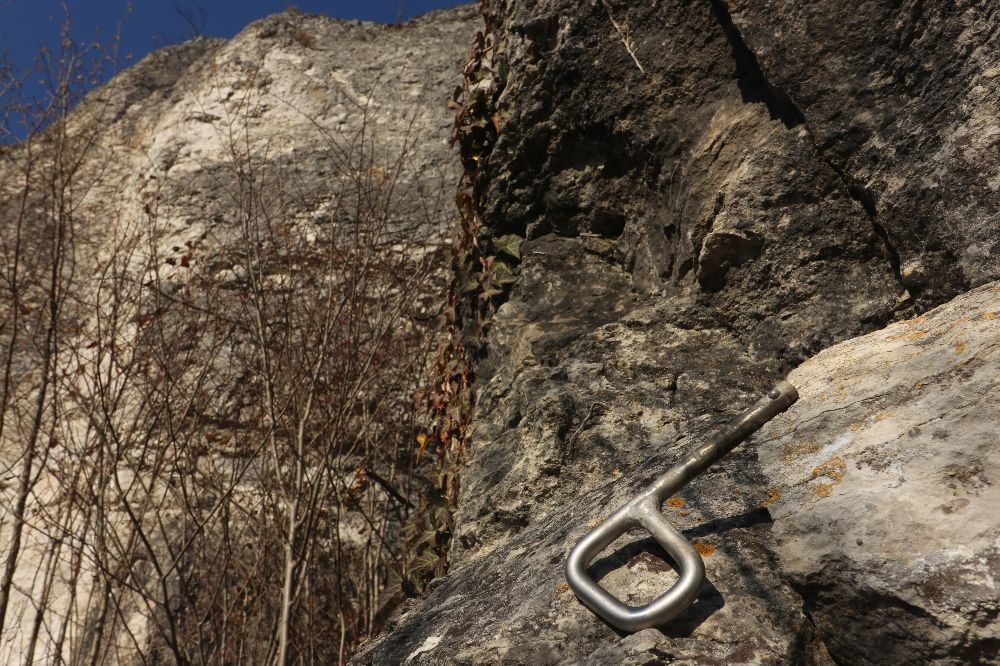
(299, 117)
(711, 193)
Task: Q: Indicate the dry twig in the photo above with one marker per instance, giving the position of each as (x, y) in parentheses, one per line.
(623, 36)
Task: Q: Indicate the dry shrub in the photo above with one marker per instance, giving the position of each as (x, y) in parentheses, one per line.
(211, 445)
(303, 38)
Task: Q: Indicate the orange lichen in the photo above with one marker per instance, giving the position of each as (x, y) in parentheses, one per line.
(990, 316)
(959, 348)
(908, 335)
(856, 426)
(561, 588)
(676, 503)
(773, 496)
(706, 550)
(834, 470)
(792, 451)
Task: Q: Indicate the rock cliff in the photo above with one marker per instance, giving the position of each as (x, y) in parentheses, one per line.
(298, 176)
(711, 194)
(887, 471)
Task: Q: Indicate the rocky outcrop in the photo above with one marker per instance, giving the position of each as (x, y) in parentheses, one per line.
(886, 471)
(597, 394)
(711, 193)
(700, 179)
(313, 98)
(902, 100)
(172, 182)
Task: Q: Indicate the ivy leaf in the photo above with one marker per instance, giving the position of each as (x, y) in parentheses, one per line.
(509, 244)
(503, 274)
(422, 441)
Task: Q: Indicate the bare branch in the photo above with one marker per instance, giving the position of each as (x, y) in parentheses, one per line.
(623, 36)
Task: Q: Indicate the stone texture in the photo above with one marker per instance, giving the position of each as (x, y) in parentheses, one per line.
(694, 231)
(596, 395)
(308, 95)
(704, 181)
(313, 100)
(778, 177)
(887, 469)
(902, 98)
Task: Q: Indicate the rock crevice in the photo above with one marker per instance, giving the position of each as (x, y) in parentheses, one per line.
(742, 164)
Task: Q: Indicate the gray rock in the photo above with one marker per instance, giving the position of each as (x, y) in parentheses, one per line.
(902, 99)
(704, 182)
(695, 230)
(887, 470)
(596, 393)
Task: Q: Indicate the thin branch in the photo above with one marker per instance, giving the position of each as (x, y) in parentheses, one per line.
(623, 36)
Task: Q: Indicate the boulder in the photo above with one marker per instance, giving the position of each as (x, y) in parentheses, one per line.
(886, 470)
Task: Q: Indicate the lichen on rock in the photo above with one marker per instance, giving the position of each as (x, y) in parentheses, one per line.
(891, 538)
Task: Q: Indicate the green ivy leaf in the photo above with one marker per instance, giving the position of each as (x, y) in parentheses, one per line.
(509, 244)
(503, 273)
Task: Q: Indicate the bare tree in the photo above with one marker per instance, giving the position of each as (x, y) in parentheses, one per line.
(212, 450)
(193, 16)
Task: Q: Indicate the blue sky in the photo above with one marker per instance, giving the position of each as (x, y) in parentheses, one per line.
(27, 25)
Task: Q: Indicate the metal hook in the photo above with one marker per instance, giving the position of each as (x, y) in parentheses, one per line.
(644, 511)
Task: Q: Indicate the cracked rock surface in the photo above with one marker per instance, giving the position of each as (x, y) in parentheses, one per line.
(778, 178)
(903, 99)
(887, 470)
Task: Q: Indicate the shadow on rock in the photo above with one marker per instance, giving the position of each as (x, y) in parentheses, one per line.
(759, 516)
(650, 553)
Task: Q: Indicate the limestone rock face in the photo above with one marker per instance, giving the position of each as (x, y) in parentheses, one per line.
(298, 114)
(887, 470)
(766, 181)
(314, 97)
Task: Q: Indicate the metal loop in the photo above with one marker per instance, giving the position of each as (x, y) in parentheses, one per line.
(665, 607)
(644, 511)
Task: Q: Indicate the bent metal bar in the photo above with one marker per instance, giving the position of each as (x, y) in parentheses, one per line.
(644, 511)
